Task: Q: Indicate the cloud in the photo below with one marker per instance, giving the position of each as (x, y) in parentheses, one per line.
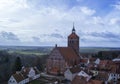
(36, 39)
(34, 21)
(56, 35)
(115, 21)
(117, 5)
(105, 35)
(100, 37)
(8, 36)
(87, 11)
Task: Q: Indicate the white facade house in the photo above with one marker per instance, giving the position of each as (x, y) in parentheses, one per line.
(12, 80)
(18, 79)
(31, 72)
(116, 59)
(82, 73)
(97, 61)
(24, 76)
(114, 76)
(70, 73)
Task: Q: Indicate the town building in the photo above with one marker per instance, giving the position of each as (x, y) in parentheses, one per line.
(24, 76)
(70, 73)
(62, 58)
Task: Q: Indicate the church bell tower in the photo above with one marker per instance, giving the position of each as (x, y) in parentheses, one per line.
(73, 40)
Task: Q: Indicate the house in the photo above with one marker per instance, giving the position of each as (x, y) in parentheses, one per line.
(97, 61)
(84, 78)
(17, 78)
(70, 73)
(24, 76)
(87, 61)
(114, 77)
(103, 76)
(117, 62)
(62, 58)
(84, 74)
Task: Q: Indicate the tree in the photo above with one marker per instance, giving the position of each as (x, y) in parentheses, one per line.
(18, 64)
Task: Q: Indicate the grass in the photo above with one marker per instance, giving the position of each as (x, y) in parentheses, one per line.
(38, 82)
(35, 82)
(27, 52)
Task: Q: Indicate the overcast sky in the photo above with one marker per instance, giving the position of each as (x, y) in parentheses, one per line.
(49, 22)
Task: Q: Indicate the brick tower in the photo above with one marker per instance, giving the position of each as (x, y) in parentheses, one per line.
(73, 40)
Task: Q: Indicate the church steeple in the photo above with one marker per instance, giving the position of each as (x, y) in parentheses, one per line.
(73, 30)
(73, 40)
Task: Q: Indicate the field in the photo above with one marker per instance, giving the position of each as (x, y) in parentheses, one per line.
(37, 50)
(96, 49)
(27, 52)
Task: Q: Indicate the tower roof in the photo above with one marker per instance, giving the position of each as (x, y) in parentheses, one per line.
(73, 30)
(73, 34)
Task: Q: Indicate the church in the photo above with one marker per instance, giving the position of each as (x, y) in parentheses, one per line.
(62, 58)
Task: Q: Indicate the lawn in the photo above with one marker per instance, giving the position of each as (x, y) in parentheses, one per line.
(35, 82)
(38, 82)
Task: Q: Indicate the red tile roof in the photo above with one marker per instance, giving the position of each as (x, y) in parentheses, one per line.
(84, 60)
(68, 53)
(25, 71)
(82, 80)
(75, 69)
(102, 76)
(95, 82)
(18, 77)
(79, 80)
(73, 35)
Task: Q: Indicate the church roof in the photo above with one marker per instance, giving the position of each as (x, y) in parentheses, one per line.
(68, 53)
(73, 35)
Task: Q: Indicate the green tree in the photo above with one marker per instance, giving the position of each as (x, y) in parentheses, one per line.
(18, 64)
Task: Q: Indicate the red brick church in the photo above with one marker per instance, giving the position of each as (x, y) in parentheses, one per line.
(62, 58)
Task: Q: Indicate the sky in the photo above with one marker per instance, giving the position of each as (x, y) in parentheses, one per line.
(49, 22)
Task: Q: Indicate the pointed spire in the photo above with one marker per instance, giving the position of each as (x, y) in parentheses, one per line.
(56, 45)
(73, 30)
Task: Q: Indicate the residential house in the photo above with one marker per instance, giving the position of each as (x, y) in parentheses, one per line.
(24, 76)
(83, 78)
(70, 73)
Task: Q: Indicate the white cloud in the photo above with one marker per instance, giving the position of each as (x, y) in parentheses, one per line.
(87, 11)
(115, 21)
(28, 19)
(117, 5)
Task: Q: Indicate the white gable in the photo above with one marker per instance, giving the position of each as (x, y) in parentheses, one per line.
(68, 71)
(88, 61)
(116, 59)
(97, 61)
(31, 72)
(82, 73)
(12, 80)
